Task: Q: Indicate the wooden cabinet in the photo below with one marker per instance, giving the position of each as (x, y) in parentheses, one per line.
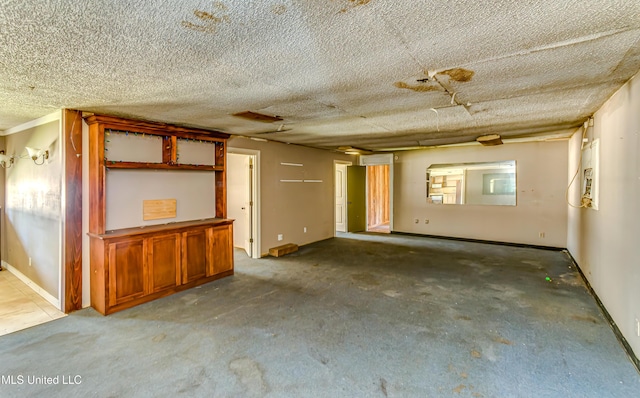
(221, 250)
(195, 256)
(126, 276)
(163, 259)
(133, 265)
(143, 264)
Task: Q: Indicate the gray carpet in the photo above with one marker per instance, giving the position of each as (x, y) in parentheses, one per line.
(361, 315)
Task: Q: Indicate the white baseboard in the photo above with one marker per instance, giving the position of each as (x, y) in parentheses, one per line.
(45, 295)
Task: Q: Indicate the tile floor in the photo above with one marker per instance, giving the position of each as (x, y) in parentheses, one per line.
(21, 307)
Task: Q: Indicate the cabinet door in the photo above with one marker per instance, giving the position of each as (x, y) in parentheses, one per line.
(221, 249)
(126, 271)
(164, 262)
(195, 256)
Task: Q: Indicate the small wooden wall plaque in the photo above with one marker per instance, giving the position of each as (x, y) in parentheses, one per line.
(158, 209)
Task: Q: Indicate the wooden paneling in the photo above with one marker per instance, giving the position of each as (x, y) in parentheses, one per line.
(378, 195)
(221, 180)
(164, 262)
(72, 133)
(126, 271)
(97, 205)
(98, 275)
(195, 255)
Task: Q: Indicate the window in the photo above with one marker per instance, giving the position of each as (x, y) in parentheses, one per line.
(486, 183)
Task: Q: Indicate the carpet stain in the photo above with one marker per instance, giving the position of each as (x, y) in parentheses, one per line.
(459, 389)
(584, 318)
(476, 354)
(478, 267)
(190, 299)
(462, 317)
(318, 356)
(533, 263)
(464, 375)
(366, 278)
(158, 338)
(250, 375)
(383, 386)
(502, 340)
(571, 279)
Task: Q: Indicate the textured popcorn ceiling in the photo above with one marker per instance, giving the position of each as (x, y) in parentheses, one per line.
(367, 73)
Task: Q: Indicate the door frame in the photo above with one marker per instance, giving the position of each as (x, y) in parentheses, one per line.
(376, 160)
(255, 197)
(344, 187)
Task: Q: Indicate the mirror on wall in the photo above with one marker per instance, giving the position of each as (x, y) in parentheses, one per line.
(484, 183)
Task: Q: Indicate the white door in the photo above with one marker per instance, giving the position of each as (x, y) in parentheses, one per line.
(239, 199)
(341, 197)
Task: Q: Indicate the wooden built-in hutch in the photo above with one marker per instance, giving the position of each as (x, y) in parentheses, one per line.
(133, 265)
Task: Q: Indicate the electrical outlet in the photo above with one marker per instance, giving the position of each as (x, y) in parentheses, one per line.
(280, 237)
(29, 261)
(541, 235)
(305, 230)
(426, 221)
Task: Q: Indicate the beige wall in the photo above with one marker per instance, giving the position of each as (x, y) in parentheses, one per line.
(541, 183)
(33, 215)
(604, 242)
(286, 208)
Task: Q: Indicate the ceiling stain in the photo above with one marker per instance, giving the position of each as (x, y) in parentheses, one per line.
(458, 74)
(208, 20)
(421, 88)
(279, 9)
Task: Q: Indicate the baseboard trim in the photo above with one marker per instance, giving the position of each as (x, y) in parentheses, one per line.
(43, 293)
(621, 339)
(490, 242)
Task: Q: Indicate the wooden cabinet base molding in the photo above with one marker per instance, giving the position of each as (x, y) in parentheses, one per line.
(136, 265)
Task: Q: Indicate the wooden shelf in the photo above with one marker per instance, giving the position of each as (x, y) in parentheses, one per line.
(172, 226)
(134, 265)
(161, 166)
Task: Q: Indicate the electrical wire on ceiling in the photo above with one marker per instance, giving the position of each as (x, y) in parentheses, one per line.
(437, 118)
(73, 144)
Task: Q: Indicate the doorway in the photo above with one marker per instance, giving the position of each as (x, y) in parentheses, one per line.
(379, 192)
(341, 195)
(378, 203)
(243, 199)
(364, 194)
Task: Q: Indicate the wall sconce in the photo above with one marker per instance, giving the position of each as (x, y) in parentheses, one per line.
(35, 153)
(5, 161)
